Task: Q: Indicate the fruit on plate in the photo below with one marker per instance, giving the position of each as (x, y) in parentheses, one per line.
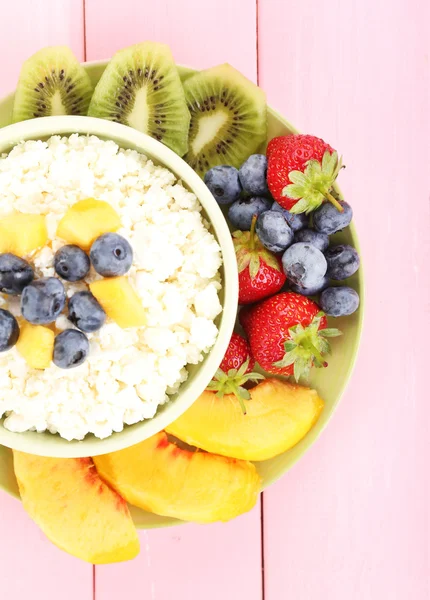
(304, 264)
(85, 312)
(339, 301)
(342, 261)
(15, 274)
(296, 222)
(9, 330)
(241, 212)
(235, 371)
(52, 82)
(75, 509)
(86, 220)
(228, 118)
(316, 238)
(223, 182)
(141, 88)
(273, 231)
(287, 334)
(71, 349)
(43, 300)
(310, 291)
(279, 415)
(71, 263)
(253, 175)
(120, 301)
(327, 219)
(260, 272)
(301, 172)
(163, 478)
(111, 255)
(36, 345)
(22, 233)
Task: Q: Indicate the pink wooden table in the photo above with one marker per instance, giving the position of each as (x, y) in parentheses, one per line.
(351, 521)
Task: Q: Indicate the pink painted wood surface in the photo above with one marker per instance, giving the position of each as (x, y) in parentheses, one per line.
(352, 519)
(191, 562)
(200, 34)
(28, 25)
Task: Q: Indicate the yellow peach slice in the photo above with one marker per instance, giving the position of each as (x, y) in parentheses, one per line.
(162, 478)
(86, 220)
(22, 233)
(279, 415)
(119, 301)
(75, 508)
(36, 345)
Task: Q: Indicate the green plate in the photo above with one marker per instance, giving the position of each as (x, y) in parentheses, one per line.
(330, 382)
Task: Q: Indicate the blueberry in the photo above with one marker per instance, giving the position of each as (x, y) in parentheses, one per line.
(241, 212)
(43, 300)
(9, 330)
(223, 182)
(310, 291)
(274, 232)
(304, 265)
(71, 263)
(296, 222)
(339, 301)
(328, 219)
(71, 348)
(342, 260)
(252, 175)
(317, 239)
(85, 312)
(111, 255)
(15, 274)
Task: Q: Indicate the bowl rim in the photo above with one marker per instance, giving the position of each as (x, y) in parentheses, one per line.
(47, 444)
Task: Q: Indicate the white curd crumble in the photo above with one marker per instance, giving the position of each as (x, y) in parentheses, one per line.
(129, 372)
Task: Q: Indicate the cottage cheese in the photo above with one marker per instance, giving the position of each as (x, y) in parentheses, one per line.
(130, 372)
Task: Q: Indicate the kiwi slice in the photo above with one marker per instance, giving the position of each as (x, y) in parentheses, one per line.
(141, 88)
(52, 82)
(228, 118)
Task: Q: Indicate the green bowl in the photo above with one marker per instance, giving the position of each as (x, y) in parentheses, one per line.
(330, 382)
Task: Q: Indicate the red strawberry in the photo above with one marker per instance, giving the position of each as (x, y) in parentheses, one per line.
(301, 172)
(235, 371)
(287, 334)
(260, 271)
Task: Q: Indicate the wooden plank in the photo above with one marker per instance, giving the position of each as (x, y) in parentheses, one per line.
(199, 35)
(37, 23)
(190, 561)
(351, 520)
(29, 564)
(212, 561)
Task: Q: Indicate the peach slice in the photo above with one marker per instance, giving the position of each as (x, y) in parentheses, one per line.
(160, 477)
(36, 345)
(86, 220)
(279, 414)
(119, 301)
(22, 233)
(75, 509)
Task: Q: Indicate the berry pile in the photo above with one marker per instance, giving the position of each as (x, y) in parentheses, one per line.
(284, 209)
(44, 299)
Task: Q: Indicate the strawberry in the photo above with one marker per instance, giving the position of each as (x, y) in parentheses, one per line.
(301, 172)
(260, 271)
(235, 371)
(287, 334)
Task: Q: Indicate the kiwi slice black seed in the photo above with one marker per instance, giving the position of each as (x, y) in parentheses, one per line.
(228, 118)
(52, 82)
(141, 88)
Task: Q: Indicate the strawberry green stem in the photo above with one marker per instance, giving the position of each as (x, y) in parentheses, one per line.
(333, 200)
(252, 233)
